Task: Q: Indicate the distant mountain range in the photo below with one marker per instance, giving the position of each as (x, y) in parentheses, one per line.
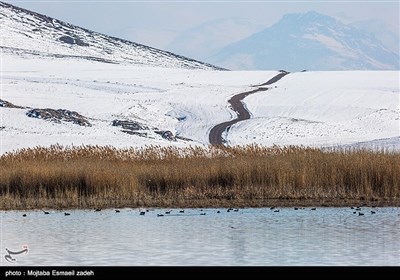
(208, 38)
(309, 41)
(27, 33)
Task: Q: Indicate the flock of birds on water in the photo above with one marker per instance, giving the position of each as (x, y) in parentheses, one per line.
(356, 210)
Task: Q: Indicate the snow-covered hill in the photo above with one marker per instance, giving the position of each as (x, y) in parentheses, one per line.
(306, 108)
(325, 108)
(28, 33)
(309, 41)
(153, 99)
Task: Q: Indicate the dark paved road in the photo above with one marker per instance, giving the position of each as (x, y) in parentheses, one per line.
(215, 136)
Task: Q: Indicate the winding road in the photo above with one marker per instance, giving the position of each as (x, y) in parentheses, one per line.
(236, 103)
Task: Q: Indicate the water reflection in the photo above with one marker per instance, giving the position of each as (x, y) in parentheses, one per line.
(256, 237)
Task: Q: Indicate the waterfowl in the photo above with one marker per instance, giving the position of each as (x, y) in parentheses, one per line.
(360, 214)
(276, 211)
(160, 215)
(142, 213)
(66, 214)
(313, 208)
(373, 212)
(24, 215)
(117, 211)
(97, 210)
(182, 211)
(168, 212)
(46, 213)
(202, 214)
(295, 208)
(218, 212)
(236, 210)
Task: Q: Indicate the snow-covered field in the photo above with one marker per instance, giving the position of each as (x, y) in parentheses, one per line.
(325, 109)
(310, 108)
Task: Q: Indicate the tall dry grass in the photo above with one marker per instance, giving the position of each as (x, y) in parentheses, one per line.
(94, 176)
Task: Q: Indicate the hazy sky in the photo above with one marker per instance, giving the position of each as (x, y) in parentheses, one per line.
(157, 23)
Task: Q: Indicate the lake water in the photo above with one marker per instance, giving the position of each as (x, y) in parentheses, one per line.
(249, 237)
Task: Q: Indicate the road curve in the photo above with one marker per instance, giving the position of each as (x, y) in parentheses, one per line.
(215, 136)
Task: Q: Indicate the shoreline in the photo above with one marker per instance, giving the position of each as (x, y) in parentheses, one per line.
(267, 203)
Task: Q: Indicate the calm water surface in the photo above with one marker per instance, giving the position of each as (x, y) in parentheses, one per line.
(249, 237)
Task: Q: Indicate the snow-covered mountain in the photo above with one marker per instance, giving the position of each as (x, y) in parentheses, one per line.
(381, 31)
(205, 40)
(28, 33)
(309, 41)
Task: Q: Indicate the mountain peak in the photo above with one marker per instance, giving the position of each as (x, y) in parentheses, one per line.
(310, 16)
(301, 22)
(310, 41)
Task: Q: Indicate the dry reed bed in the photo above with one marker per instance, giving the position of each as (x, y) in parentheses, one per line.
(93, 176)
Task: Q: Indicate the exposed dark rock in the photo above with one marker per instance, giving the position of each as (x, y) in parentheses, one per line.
(166, 134)
(129, 125)
(58, 116)
(72, 41)
(67, 40)
(183, 138)
(7, 104)
(81, 43)
(141, 134)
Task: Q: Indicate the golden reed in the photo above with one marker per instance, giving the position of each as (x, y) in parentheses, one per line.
(244, 176)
